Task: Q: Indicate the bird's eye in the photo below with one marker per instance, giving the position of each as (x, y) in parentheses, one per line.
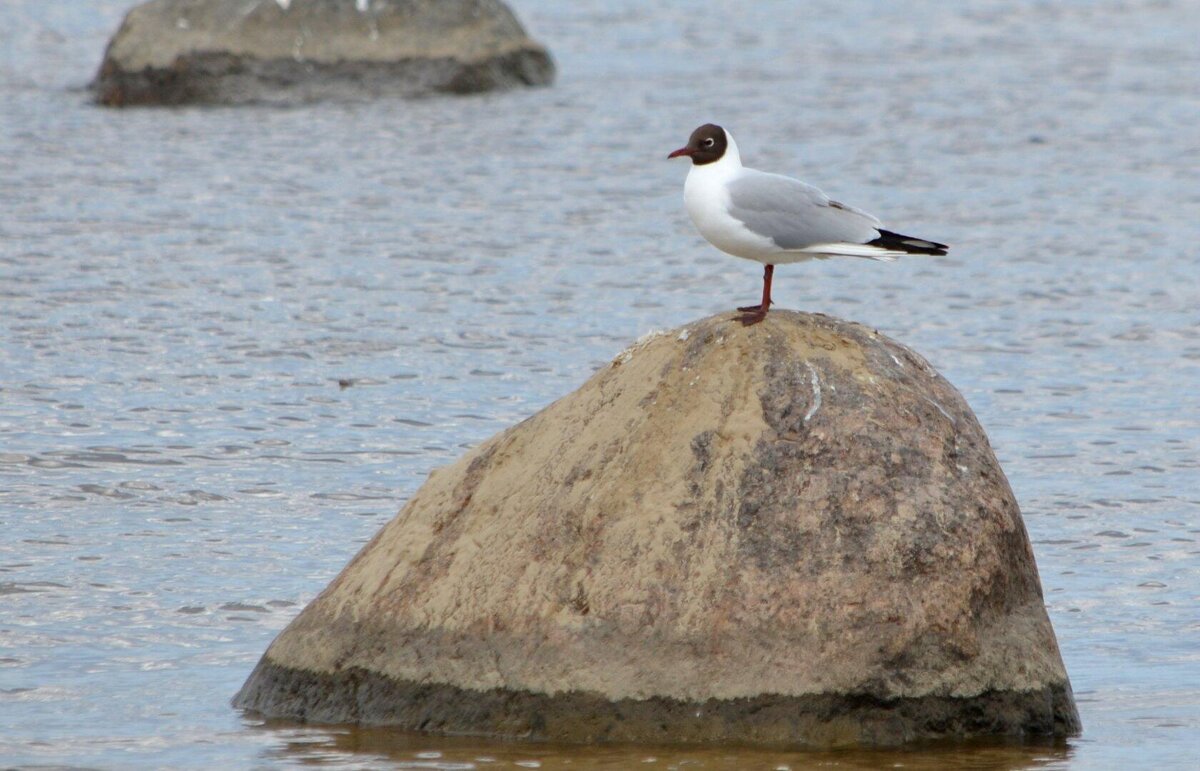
(708, 142)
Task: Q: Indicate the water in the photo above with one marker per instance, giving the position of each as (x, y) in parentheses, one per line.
(183, 290)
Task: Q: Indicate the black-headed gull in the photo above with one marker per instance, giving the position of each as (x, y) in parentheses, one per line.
(773, 219)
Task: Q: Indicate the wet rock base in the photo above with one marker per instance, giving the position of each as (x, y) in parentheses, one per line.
(814, 721)
(215, 78)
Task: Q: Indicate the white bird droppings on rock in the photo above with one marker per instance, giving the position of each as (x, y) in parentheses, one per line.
(626, 356)
(816, 391)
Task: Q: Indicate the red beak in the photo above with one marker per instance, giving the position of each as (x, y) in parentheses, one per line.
(681, 151)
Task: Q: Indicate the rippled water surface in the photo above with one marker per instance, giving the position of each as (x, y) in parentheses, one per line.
(234, 341)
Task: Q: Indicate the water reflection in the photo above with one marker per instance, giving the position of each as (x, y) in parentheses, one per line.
(388, 748)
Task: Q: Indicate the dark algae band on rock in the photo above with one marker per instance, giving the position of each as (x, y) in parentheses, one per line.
(818, 721)
(171, 52)
(791, 533)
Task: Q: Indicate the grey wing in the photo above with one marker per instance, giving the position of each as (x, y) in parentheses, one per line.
(795, 215)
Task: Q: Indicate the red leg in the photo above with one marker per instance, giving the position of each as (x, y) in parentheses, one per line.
(756, 313)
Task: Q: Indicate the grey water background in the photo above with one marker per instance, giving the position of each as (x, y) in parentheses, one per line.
(181, 291)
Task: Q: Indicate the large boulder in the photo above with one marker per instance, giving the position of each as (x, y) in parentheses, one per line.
(790, 532)
(285, 51)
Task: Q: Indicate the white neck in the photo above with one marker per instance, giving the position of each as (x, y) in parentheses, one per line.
(731, 157)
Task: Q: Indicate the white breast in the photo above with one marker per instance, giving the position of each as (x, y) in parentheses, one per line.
(707, 203)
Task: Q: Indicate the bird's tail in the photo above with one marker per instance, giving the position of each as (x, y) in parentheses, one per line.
(895, 242)
(887, 248)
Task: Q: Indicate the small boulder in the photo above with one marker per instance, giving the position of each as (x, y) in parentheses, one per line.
(794, 532)
(171, 52)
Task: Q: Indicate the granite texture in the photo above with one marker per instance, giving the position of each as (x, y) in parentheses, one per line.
(794, 532)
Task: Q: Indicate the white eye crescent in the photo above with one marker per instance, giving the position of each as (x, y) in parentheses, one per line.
(708, 142)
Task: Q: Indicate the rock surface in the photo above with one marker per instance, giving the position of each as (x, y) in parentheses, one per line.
(254, 51)
(792, 532)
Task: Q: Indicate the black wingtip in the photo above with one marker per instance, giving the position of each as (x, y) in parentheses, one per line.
(908, 244)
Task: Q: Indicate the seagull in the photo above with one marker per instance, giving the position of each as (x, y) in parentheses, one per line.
(773, 219)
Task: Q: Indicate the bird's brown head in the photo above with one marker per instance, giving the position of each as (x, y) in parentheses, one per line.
(706, 145)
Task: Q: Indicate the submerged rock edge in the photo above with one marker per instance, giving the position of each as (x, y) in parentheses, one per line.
(225, 79)
(812, 721)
